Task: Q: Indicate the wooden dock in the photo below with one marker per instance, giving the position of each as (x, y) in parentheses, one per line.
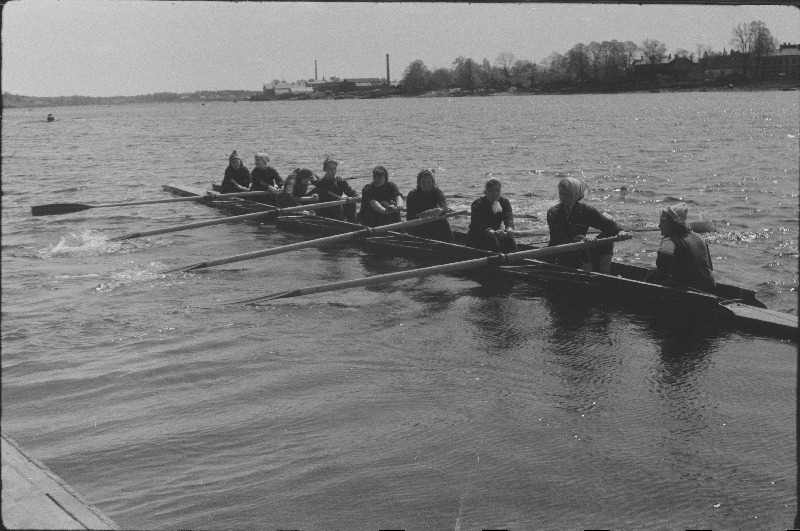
(33, 497)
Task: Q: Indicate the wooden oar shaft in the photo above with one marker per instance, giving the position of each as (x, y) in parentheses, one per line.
(212, 197)
(498, 259)
(379, 279)
(560, 249)
(230, 219)
(700, 226)
(310, 243)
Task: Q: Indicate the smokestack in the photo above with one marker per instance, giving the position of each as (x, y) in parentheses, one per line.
(388, 79)
(315, 69)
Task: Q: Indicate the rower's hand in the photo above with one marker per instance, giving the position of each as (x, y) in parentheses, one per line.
(590, 238)
(349, 199)
(510, 231)
(314, 198)
(624, 235)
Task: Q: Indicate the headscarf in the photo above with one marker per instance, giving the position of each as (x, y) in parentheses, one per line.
(573, 189)
(262, 156)
(676, 213)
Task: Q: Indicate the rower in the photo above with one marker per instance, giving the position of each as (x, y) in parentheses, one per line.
(332, 188)
(569, 221)
(491, 225)
(295, 189)
(265, 178)
(683, 259)
(237, 176)
(381, 200)
(428, 200)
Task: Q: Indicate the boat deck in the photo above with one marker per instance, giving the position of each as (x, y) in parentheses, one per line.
(35, 498)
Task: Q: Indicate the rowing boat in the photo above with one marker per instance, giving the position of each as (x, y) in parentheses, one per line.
(730, 305)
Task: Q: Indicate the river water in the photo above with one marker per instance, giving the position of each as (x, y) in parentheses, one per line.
(438, 403)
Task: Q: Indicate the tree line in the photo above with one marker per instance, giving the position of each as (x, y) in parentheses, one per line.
(607, 62)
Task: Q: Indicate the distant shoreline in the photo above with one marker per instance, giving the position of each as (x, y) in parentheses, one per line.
(11, 101)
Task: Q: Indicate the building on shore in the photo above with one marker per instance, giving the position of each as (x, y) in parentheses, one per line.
(784, 64)
(278, 90)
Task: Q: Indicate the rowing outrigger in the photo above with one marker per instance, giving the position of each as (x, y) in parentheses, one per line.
(734, 305)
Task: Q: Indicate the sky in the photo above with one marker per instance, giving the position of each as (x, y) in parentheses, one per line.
(127, 48)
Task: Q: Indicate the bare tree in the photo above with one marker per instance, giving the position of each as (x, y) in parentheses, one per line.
(753, 41)
(653, 50)
(504, 62)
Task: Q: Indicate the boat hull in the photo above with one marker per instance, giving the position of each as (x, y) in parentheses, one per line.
(730, 305)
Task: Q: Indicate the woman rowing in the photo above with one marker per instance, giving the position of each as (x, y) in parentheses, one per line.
(265, 178)
(569, 221)
(381, 200)
(295, 189)
(332, 188)
(427, 200)
(491, 225)
(683, 259)
(237, 177)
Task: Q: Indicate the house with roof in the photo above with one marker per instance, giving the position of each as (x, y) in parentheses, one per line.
(668, 68)
(355, 84)
(283, 89)
(783, 64)
(721, 66)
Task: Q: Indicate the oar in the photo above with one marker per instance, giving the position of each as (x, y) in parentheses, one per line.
(701, 227)
(498, 259)
(366, 231)
(243, 217)
(68, 208)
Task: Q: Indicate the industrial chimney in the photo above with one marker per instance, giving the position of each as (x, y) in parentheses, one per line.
(388, 82)
(315, 69)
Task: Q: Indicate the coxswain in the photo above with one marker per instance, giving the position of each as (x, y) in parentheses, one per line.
(683, 259)
(50, 118)
(491, 225)
(381, 200)
(427, 200)
(569, 222)
(265, 178)
(332, 188)
(237, 176)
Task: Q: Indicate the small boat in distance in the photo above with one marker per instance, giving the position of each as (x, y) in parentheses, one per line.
(50, 118)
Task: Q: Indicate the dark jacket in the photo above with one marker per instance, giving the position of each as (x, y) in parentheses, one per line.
(573, 227)
(240, 176)
(331, 190)
(684, 259)
(261, 179)
(383, 195)
(483, 218)
(418, 202)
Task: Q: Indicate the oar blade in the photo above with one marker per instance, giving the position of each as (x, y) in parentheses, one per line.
(55, 209)
(280, 295)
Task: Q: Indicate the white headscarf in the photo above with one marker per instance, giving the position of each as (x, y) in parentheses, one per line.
(572, 191)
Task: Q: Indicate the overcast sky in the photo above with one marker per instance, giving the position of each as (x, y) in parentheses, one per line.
(125, 48)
